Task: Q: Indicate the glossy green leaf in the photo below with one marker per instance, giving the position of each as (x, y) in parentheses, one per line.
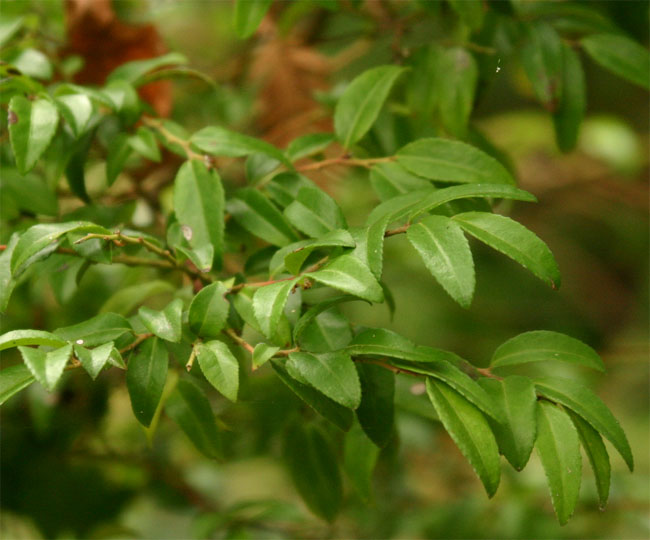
(398, 208)
(47, 367)
(248, 15)
(359, 460)
(391, 179)
(589, 406)
(136, 69)
(268, 305)
(542, 346)
(337, 238)
(243, 304)
(32, 124)
(595, 449)
(15, 338)
(262, 353)
(333, 374)
(514, 240)
(328, 331)
(559, 450)
(259, 216)
(348, 274)
(515, 433)
(144, 143)
(542, 58)
(315, 213)
(191, 410)
(469, 430)
(571, 109)
(309, 315)
(93, 361)
(359, 106)
(452, 161)
(376, 413)
(165, 324)
(199, 206)
(145, 378)
(314, 469)
(370, 245)
(96, 330)
(456, 88)
(620, 55)
(220, 367)
(14, 379)
(209, 311)
(123, 99)
(119, 151)
(445, 251)
(77, 110)
(308, 145)
(381, 342)
(219, 141)
(33, 63)
(340, 416)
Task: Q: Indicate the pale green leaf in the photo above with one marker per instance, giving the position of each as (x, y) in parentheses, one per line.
(348, 274)
(220, 367)
(144, 142)
(136, 69)
(315, 213)
(96, 330)
(391, 179)
(337, 238)
(209, 311)
(268, 305)
(14, 379)
(308, 145)
(77, 110)
(248, 15)
(262, 353)
(47, 367)
(620, 55)
(93, 361)
(15, 338)
(165, 324)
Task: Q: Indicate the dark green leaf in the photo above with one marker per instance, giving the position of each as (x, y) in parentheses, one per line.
(93, 361)
(471, 13)
(14, 379)
(119, 151)
(268, 305)
(568, 115)
(96, 330)
(209, 311)
(456, 87)
(165, 324)
(29, 192)
(315, 310)
(47, 367)
(542, 58)
(377, 411)
(559, 450)
(14, 338)
(315, 213)
(127, 299)
(75, 169)
(359, 459)
(220, 367)
(621, 56)
(7, 284)
(350, 275)
(145, 378)
(248, 15)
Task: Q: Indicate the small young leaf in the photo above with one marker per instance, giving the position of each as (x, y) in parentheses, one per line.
(262, 353)
(15, 338)
(589, 406)
(571, 109)
(559, 450)
(145, 378)
(377, 411)
(15, 378)
(469, 430)
(93, 361)
(514, 240)
(359, 106)
(191, 410)
(248, 15)
(359, 460)
(77, 110)
(315, 213)
(209, 311)
(542, 346)
(452, 161)
(165, 324)
(542, 58)
(621, 56)
(96, 331)
(144, 143)
(516, 432)
(308, 145)
(268, 304)
(220, 367)
(119, 151)
(350, 275)
(333, 374)
(446, 254)
(294, 259)
(47, 367)
(314, 469)
(31, 128)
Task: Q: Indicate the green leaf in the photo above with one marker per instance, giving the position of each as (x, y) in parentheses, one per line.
(15, 338)
(571, 109)
(7, 284)
(314, 469)
(75, 168)
(370, 245)
(144, 143)
(515, 241)
(33, 63)
(456, 88)
(14, 379)
(96, 330)
(542, 59)
(399, 207)
(123, 99)
(595, 449)
(262, 353)
(469, 430)
(32, 125)
(382, 342)
(209, 311)
(136, 69)
(268, 305)
(470, 13)
(391, 179)
(191, 410)
(29, 192)
(220, 367)
(559, 450)
(442, 196)
(621, 56)
(77, 110)
(542, 346)
(47, 367)
(243, 304)
(315, 213)
(515, 433)
(376, 413)
(248, 15)
(46, 235)
(293, 260)
(350, 275)
(9, 27)
(359, 460)
(219, 141)
(445, 251)
(328, 331)
(145, 378)
(93, 361)
(260, 217)
(333, 374)
(452, 161)
(589, 406)
(127, 299)
(340, 416)
(284, 187)
(199, 206)
(119, 151)
(359, 106)
(165, 324)
(315, 310)
(308, 145)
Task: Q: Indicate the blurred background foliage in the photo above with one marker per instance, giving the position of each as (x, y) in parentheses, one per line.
(76, 464)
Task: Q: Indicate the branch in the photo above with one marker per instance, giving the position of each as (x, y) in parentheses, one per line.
(346, 160)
